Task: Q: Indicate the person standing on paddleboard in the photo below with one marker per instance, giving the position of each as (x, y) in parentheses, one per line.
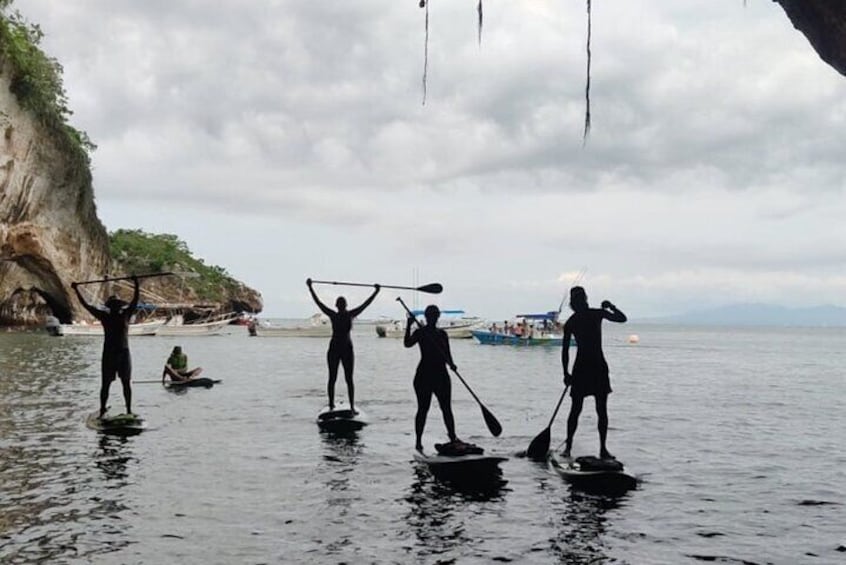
(116, 359)
(431, 376)
(590, 371)
(340, 345)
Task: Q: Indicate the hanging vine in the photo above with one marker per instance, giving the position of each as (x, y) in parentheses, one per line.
(587, 81)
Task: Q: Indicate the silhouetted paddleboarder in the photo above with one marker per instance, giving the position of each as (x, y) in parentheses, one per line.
(340, 345)
(590, 371)
(116, 359)
(431, 376)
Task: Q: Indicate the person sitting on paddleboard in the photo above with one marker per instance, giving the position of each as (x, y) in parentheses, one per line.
(431, 376)
(590, 371)
(176, 367)
(340, 345)
(116, 359)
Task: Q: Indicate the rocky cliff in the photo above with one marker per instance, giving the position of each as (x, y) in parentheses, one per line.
(824, 24)
(49, 231)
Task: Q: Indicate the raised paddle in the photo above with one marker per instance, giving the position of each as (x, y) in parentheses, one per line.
(127, 277)
(431, 288)
(540, 445)
(491, 421)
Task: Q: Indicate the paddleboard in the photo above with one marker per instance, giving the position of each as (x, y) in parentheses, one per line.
(341, 420)
(119, 425)
(199, 381)
(478, 468)
(604, 476)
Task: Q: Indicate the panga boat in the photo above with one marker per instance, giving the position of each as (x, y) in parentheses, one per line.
(453, 322)
(528, 330)
(143, 328)
(176, 325)
(317, 326)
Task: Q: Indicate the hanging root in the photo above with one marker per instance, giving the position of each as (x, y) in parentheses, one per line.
(587, 82)
(479, 9)
(424, 4)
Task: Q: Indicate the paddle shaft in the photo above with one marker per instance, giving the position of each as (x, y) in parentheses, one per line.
(127, 277)
(433, 288)
(457, 374)
(557, 406)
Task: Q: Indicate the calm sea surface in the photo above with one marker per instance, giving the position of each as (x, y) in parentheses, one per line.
(737, 437)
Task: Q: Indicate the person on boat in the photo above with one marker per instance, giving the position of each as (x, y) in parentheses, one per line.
(176, 367)
(340, 344)
(589, 376)
(431, 377)
(116, 360)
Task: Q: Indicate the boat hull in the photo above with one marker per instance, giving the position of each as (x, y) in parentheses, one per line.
(490, 338)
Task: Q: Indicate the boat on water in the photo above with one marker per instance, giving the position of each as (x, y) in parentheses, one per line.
(453, 322)
(176, 325)
(316, 326)
(526, 330)
(143, 328)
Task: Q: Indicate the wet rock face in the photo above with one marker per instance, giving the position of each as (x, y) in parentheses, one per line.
(824, 24)
(49, 231)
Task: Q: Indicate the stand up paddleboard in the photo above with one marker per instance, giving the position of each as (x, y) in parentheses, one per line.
(199, 381)
(592, 474)
(119, 425)
(473, 467)
(341, 420)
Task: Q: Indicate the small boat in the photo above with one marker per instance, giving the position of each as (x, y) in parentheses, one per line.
(176, 326)
(95, 329)
(452, 322)
(317, 326)
(526, 330)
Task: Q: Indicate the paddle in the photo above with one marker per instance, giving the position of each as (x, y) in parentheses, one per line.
(127, 277)
(431, 288)
(491, 421)
(540, 445)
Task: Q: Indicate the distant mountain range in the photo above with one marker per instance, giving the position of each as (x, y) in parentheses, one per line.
(758, 315)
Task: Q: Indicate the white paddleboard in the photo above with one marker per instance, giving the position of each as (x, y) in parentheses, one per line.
(607, 478)
(120, 424)
(341, 420)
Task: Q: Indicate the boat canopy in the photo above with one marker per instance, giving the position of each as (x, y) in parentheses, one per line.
(551, 316)
(420, 312)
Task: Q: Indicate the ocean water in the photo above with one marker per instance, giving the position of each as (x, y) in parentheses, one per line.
(736, 436)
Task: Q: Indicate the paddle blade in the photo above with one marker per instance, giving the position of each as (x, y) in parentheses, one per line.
(539, 446)
(433, 288)
(493, 424)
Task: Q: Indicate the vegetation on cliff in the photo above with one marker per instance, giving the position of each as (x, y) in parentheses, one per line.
(135, 251)
(36, 82)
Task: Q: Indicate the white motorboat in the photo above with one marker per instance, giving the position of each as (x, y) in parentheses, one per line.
(316, 326)
(176, 326)
(453, 322)
(95, 329)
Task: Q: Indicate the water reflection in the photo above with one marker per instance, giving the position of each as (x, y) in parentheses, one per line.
(439, 507)
(341, 455)
(581, 527)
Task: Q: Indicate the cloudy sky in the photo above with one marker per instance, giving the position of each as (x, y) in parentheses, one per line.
(283, 139)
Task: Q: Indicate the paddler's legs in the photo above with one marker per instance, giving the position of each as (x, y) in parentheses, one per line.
(443, 392)
(107, 375)
(602, 424)
(424, 400)
(332, 360)
(573, 422)
(348, 362)
(125, 374)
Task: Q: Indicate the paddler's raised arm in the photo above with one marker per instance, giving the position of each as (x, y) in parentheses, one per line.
(94, 311)
(409, 340)
(323, 308)
(359, 309)
(133, 304)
